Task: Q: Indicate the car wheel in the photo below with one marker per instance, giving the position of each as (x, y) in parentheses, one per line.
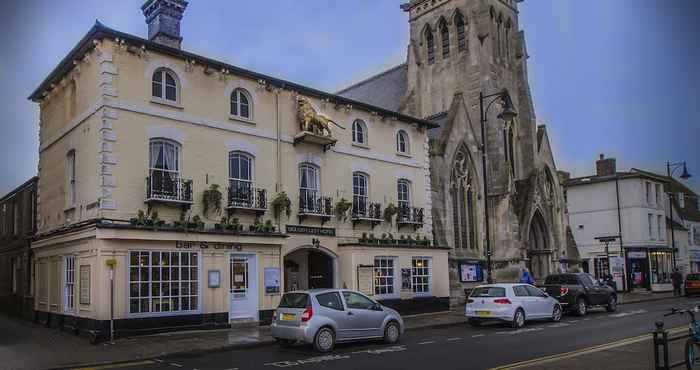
(474, 322)
(392, 332)
(324, 341)
(556, 314)
(581, 307)
(518, 319)
(612, 304)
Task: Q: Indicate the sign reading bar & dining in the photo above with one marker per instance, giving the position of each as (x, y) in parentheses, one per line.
(310, 230)
(206, 245)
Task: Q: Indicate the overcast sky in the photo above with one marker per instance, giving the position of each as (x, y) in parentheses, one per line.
(616, 77)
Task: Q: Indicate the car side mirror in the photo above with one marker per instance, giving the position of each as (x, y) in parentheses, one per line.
(377, 307)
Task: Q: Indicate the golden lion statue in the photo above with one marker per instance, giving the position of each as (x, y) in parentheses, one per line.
(312, 121)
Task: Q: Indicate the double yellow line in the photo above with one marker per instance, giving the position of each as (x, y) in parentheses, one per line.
(584, 351)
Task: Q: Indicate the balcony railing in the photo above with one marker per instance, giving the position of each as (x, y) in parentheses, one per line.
(410, 216)
(241, 195)
(311, 204)
(363, 210)
(166, 187)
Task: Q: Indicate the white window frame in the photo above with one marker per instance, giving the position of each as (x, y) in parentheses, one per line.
(313, 188)
(356, 196)
(648, 191)
(650, 220)
(71, 179)
(405, 200)
(359, 125)
(237, 178)
(69, 284)
(240, 293)
(150, 274)
(176, 172)
(403, 144)
(422, 272)
(681, 199)
(660, 228)
(237, 104)
(390, 274)
(659, 198)
(164, 85)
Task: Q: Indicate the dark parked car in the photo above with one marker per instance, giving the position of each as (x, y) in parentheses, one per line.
(577, 292)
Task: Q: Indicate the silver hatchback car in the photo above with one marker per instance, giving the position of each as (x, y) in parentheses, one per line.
(325, 317)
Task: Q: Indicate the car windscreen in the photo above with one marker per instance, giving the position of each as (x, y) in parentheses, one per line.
(488, 292)
(295, 300)
(693, 277)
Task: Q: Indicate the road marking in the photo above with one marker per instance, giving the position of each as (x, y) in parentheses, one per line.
(428, 342)
(176, 365)
(478, 335)
(453, 339)
(583, 351)
(312, 360)
(559, 325)
(519, 331)
(116, 366)
(157, 360)
(629, 313)
(380, 351)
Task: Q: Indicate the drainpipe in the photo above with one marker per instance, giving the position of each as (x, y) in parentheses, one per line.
(623, 254)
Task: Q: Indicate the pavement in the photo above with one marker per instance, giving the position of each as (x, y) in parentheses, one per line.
(62, 350)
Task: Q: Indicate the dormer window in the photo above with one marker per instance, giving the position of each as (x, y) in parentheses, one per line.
(165, 85)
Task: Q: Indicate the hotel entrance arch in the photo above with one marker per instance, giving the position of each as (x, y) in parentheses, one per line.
(310, 267)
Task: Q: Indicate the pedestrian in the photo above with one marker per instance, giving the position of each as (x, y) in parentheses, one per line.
(677, 279)
(526, 278)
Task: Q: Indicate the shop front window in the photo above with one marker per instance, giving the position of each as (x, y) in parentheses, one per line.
(601, 268)
(660, 267)
(162, 282)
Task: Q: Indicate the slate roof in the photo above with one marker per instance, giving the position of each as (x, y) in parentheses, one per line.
(385, 89)
(100, 31)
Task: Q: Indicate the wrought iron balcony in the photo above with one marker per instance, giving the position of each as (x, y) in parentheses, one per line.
(410, 216)
(168, 188)
(243, 196)
(311, 204)
(363, 210)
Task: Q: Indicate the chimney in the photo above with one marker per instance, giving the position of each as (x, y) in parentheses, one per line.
(163, 18)
(605, 166)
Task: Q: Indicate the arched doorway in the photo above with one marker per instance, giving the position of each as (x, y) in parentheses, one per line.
(539, 251)
(309, 268)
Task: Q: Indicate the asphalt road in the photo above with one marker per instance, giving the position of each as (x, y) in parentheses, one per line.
(454, 347)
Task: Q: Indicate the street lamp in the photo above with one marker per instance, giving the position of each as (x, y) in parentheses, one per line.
(670, 169)
(507, 114)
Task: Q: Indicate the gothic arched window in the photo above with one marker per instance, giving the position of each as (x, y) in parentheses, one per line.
(511, 150)
(499, 37)
(507, 39)
(445, 38)
(430, 45)
(460, 25)
(463, 193)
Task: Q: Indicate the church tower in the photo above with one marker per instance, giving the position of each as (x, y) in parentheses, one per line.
(458, 50)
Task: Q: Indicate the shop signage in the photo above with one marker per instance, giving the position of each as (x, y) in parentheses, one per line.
(272, 280)
(636, 254)
(470, 272)
(310, 230)
(365, 279)
(207, 245)
(214, 278)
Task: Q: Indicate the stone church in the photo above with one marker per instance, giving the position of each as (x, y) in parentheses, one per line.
(458, 50)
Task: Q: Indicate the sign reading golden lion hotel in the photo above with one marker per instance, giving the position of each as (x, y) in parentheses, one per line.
(210, 190)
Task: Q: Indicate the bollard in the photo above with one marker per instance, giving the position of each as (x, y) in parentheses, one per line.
(660, 331)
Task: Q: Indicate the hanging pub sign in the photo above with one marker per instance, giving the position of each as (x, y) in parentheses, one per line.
(207, 245)
(310, 230)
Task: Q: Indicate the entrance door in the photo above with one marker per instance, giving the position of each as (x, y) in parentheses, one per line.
(639, 274)
(244, 287)
(320, 270)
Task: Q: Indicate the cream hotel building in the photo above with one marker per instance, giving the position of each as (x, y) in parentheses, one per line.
(177, 191)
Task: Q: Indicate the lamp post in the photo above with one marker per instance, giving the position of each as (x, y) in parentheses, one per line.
(507, 114)
(670, 169)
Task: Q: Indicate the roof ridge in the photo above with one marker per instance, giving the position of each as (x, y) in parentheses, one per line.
(370, 78)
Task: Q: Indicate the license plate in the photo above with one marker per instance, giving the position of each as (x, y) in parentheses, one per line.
(288, 317)
(483, 313)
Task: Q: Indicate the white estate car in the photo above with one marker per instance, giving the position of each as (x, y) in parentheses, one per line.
(513, 303)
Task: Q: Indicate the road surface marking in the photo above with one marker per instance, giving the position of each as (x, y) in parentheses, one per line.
(478, 335)
(117, 366)
(629, 313)
(453, 339)
(312, 360)
(584, 351)
(157, 360)
(176, 365)
(380, 351)
(519, 331)
(558, 325)
(428, 342)
(233, 368)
